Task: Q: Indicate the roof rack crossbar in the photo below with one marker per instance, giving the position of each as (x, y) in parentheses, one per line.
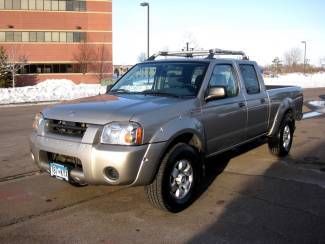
(190, 54)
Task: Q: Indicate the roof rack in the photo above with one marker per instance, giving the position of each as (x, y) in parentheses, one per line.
(190, 54)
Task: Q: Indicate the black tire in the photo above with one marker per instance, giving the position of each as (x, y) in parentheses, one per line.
(280, 144)
(160, 191)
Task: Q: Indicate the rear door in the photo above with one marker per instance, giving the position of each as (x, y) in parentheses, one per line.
(256, 100)
(224, 119)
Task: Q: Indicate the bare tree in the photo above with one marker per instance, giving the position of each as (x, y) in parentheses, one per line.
(189, 41)
(142, 57)
(276, 66)
(3, 61)
(292, 57)
(322, 62)
(101, 62)
(15, 63)
(4, 74)
(84, 56)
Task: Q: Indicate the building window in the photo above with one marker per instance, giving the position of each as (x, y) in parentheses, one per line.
(17, 37)
(40, 68)
(2, 36)
(82, 6)
(62, 5)
(48, 36)
(25, 36)
(32, 4)
(47, 4)
(55, 5)
(63, 37)
(50, 68)
(9, 36)
(24, 5)
(8, 4)
(39, 4)
(69, 36)
(47, 68)
(79, 37)
(55, 37)
(56, 68)
(41, 36)
(32, 36)
(16, 4)
(69, 6)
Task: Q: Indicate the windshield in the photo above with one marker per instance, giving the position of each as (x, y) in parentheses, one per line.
(163, 78)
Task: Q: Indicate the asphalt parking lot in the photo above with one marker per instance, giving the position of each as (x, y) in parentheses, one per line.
(248, 196)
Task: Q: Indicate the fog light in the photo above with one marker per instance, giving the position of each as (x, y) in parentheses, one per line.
(111, 173)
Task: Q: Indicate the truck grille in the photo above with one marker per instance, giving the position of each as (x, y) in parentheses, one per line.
(67, 128)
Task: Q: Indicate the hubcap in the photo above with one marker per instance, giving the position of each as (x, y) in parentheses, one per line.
(286, 137)
(181, 179)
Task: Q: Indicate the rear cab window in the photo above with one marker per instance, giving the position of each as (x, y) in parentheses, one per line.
(249, 75)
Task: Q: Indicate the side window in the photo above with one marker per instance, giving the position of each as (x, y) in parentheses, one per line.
(249, 75)
(223, 75)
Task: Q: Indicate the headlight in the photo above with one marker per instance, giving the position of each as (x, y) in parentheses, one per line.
(121, 133)
(37, 121)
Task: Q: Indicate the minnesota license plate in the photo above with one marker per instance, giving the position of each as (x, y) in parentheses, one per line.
(59, 171)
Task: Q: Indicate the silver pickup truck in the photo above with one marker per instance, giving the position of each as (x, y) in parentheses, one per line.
(160, 121)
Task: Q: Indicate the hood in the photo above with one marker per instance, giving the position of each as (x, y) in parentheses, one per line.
(103, 109)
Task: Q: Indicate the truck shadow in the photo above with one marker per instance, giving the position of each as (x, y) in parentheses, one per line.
(278, 206)
(215, 165)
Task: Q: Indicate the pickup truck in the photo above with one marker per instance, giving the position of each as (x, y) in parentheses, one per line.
(159, 122)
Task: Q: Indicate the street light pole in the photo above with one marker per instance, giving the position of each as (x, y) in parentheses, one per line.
(305, 63)
(146, 4)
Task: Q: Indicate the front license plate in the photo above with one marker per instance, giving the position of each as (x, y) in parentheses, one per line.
(59, 171)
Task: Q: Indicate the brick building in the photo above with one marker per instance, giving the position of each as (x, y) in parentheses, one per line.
(61, 39)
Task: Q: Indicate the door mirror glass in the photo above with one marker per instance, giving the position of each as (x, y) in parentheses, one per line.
(216, 92)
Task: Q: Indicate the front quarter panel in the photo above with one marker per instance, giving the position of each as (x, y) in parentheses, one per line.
(160, 142)
(177, 127)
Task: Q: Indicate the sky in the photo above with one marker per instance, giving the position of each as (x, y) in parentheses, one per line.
(262, 29)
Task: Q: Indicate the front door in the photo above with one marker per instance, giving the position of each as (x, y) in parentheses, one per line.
(224, 119)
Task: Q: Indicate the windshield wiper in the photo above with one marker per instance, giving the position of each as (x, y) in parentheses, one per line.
(158, 93)
(120, 91)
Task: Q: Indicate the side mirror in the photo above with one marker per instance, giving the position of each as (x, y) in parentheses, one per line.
(216, 92)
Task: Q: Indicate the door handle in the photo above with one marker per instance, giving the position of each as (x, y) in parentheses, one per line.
(262, 100)
(241, 104)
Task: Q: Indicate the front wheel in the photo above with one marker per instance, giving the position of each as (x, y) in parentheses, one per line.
(177, 179)
(280, 144)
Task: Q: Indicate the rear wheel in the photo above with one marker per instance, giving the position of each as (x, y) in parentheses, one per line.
(177, 179)
(280, 144)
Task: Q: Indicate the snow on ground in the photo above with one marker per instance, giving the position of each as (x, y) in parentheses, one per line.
(58, 90)
(298, 79)
(49, 90)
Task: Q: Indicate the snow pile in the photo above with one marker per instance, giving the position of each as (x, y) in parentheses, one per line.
(49, 90)
(298, 79)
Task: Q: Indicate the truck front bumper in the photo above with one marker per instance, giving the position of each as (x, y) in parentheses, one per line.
(135, 165)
